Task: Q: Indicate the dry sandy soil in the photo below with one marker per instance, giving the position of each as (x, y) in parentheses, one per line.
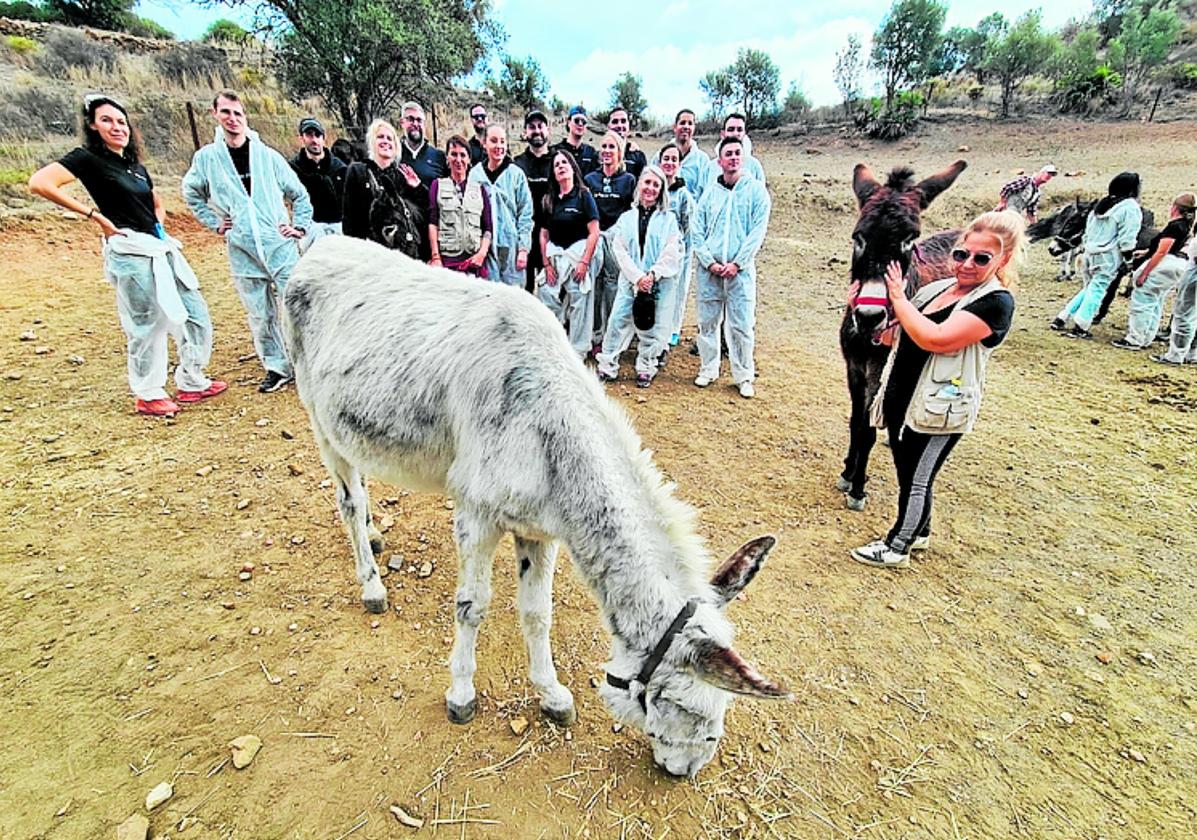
(1032, 675)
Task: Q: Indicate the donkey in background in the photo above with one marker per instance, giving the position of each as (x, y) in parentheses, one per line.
(425, 378)
(887, 230)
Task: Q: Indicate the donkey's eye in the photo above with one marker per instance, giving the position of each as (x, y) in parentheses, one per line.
(908, 245)
(858, 243)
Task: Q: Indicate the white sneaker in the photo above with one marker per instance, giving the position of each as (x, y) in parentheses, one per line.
(703, 381)
(881, 555)
(747, 391)
(921, 543)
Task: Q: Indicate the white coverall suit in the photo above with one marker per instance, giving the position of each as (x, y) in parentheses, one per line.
(260, 258)
(729, 227)
(511, 221)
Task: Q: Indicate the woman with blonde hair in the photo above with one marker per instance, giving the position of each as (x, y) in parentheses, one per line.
(648, 249)
(384, 200)
(613, 188)
(931, 389)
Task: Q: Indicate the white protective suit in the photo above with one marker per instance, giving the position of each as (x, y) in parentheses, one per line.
(157, 294)
(511, 220)
(1147, 300)
(1182, 349)
(260, 258)
(569, 300)
(729, 226)
(662, 255)
(1107, 236)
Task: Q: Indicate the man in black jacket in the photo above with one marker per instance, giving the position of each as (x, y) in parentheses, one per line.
(323, 176)
(537, 163)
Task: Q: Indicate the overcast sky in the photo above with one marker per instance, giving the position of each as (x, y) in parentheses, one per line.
(671, 44)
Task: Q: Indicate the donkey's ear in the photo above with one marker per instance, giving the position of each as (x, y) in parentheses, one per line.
(723, 668)
(931, 186)
(863, 183)
(741, 568)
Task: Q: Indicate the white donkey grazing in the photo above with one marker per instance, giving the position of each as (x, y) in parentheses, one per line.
(439, 382)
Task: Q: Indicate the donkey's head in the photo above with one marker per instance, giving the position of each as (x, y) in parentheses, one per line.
(1069, 227)
(681, 691)
(889, 225)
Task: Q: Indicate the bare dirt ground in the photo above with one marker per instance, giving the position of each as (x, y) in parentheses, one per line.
(1032, 676)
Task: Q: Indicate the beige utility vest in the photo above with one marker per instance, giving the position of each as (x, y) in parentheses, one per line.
(460, 228)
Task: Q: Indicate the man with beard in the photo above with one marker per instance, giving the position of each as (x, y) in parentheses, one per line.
(634, 160)
(478, 120)
(323, 176)
(585, 155)
(696, 168)
(415, 151)
(537, 163)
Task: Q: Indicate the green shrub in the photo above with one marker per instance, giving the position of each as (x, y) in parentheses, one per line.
(146, 28)
(250, 77)
(66, 49)
(1085, 93)
(22, 10)
(190, 61)
(1183, 75)
(874, 120)
(21, 45)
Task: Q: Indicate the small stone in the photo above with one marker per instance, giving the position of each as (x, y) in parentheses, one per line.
(137, 827)
(242, 504)
(205, 470)
(27, 596)
(245, 576)
(75, 359)
(287, 434)
(248, 566)
(892, 607)
(395, 562)
(964, 149)
(292, 627)
(594, 682)
(1100, 623)
(255, 631)
(158, 795)
(448, 504)
(297, 539)
(519, 725)
(397, 694)
(1066, 718)
(1146, 657)
(1080, 611)
(374, 625)
(295, 469)
(61, 812)
(42, 350)
(406, 818)
(386, 523)
(28, 335)
(261, 424)
(13, 376)
(244, 749)
(1137, 756)
(325, 484)
(875, 766)
(1105, 657)
(228, 605)
(1034, 668)
(617, 727)
(765, 748)
(425, 569)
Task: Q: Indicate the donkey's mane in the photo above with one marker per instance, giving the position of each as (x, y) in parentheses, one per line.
(900, 178)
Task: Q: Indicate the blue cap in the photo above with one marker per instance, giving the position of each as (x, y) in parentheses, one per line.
(576, 110)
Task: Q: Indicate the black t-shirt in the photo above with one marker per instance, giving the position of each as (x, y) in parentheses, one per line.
(585, 155)
(1178, 231)
(538, 171)
(996, 309)
(240, 156)
(613, 195)
(572, 213)
(122, 191)
(634, 162)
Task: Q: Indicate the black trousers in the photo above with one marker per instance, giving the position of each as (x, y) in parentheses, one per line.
(917, 460)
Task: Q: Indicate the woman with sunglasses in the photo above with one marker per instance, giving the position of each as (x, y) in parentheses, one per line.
(157, 294)
(930, 393)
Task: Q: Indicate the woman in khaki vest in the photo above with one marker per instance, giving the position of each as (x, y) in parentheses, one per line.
(931, 389)
(459, 220)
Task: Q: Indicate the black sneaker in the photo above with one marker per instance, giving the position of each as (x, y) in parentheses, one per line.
(1123, 344)
(1077, 332)
(1057, 324)
(273, 382)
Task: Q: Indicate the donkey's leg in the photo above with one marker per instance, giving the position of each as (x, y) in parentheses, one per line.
(537, 561)
(862, 436)
(476, 538)
(355, 513)
(377, 543)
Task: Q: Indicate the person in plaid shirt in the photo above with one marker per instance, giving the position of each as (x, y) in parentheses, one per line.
(1022, 194)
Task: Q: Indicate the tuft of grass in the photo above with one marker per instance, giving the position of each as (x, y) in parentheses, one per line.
(21, 45)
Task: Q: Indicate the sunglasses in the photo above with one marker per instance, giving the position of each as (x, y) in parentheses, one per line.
(578, 120)
(477, 116)
(980, 258)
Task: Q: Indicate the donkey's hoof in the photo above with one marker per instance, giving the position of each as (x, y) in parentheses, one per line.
(842, 484)
(562, 717)
(855, 503)
(461, 714)
(375, 605)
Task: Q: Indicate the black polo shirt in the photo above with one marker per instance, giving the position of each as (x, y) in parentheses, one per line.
(122, 191)
(613, 195)
(586, 155)
(572, 214)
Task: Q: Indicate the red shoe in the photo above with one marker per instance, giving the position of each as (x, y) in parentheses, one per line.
(157, 408)
(217, 387)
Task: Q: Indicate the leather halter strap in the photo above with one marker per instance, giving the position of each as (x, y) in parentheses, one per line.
(657, 655)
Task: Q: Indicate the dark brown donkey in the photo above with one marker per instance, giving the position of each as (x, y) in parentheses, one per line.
(887, 231)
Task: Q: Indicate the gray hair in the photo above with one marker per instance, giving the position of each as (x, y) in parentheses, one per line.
(412, 105)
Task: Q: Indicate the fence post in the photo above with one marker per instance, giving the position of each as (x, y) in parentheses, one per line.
(194, 130)
(1158, 93)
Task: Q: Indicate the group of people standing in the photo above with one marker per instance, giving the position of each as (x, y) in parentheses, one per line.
(603, 237)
